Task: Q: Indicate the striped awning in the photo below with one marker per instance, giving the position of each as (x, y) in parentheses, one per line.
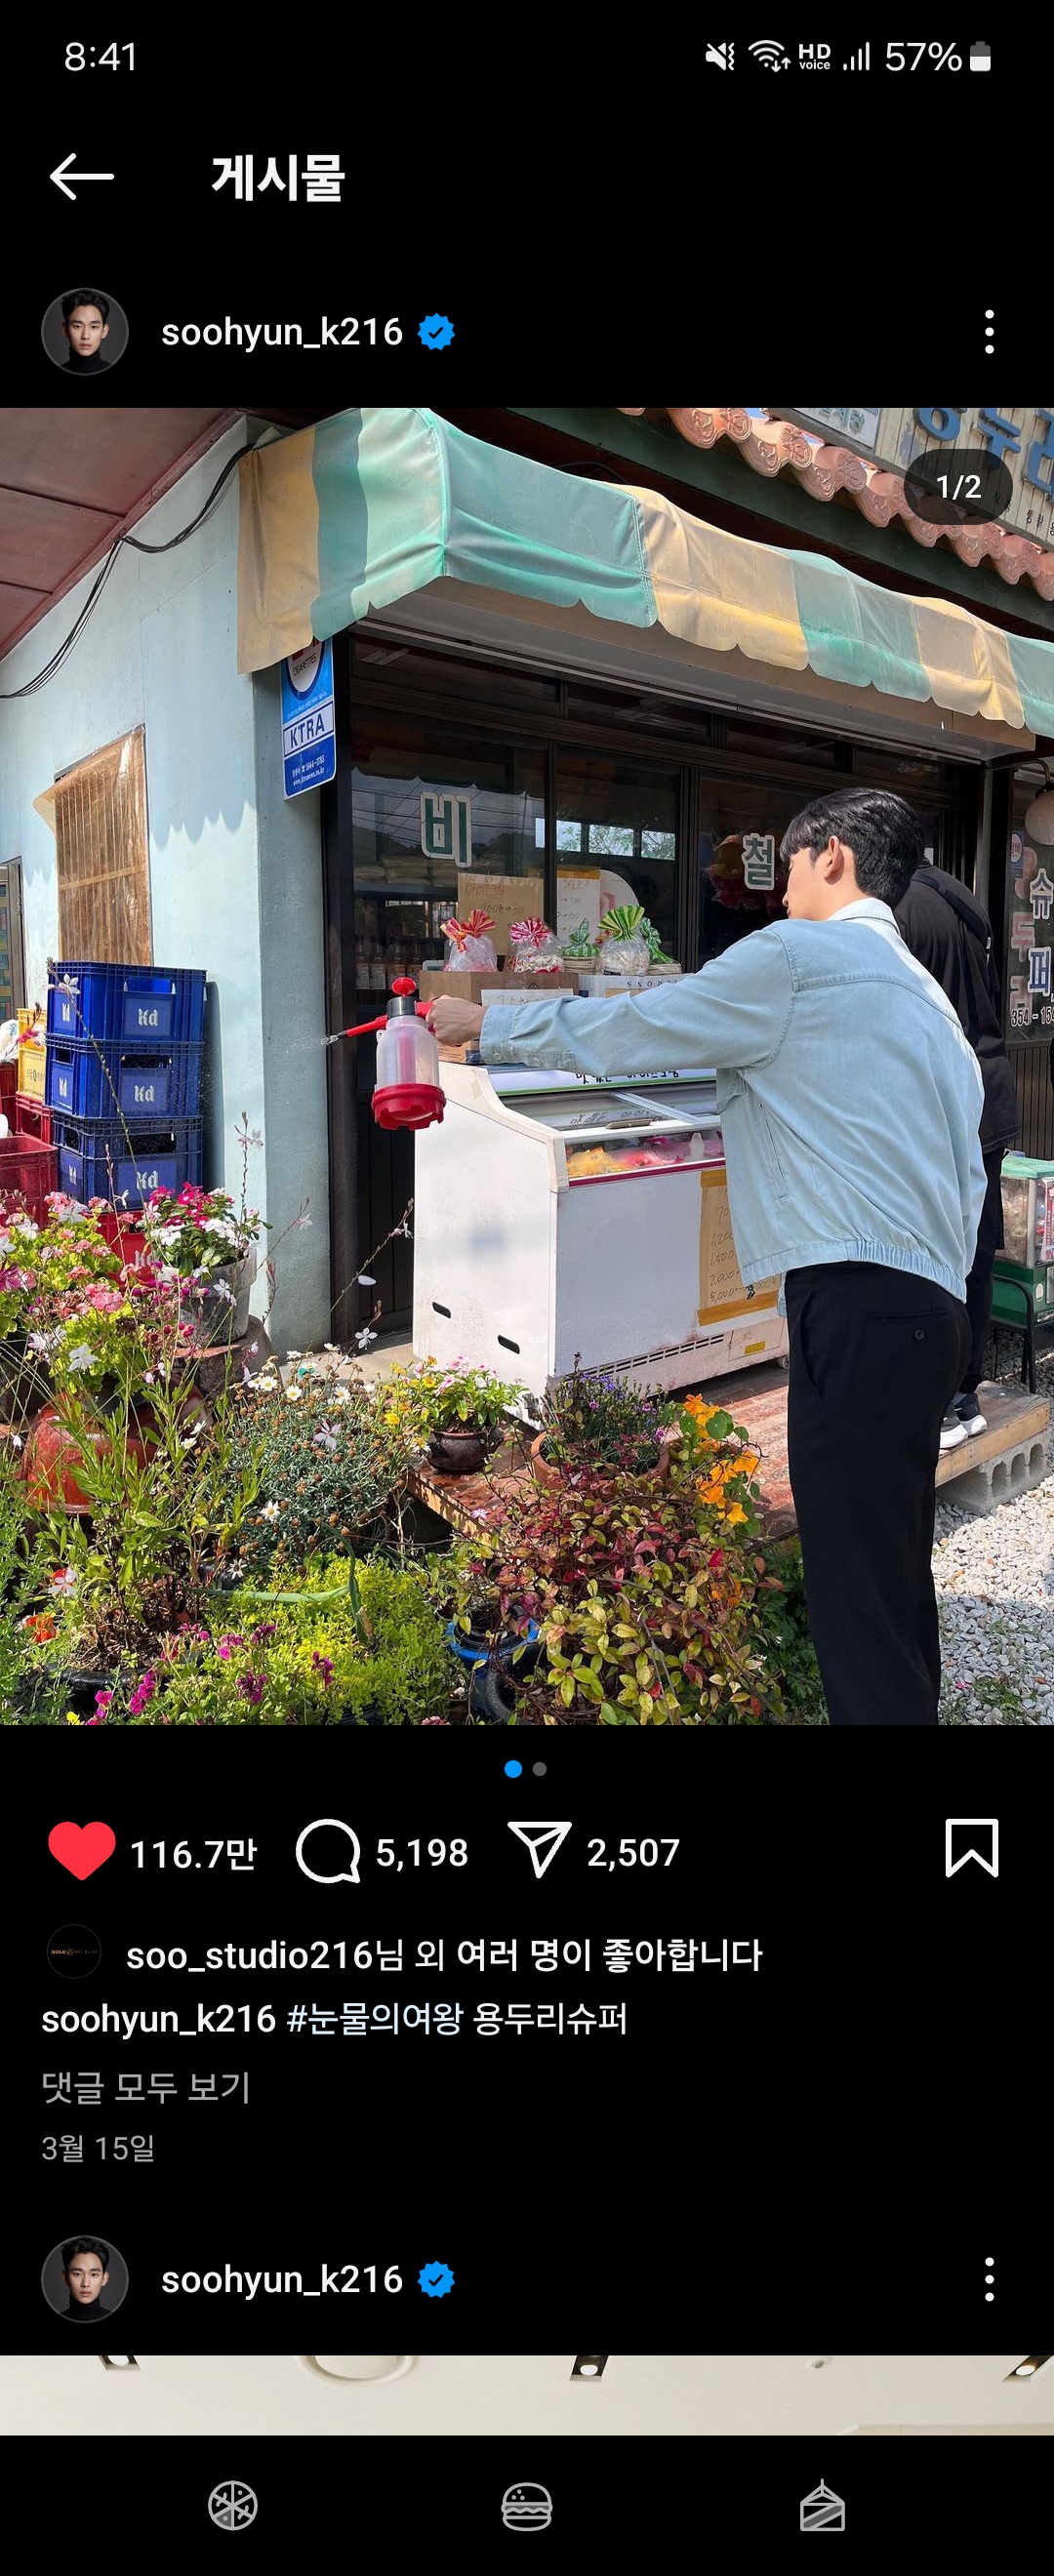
(365, 509)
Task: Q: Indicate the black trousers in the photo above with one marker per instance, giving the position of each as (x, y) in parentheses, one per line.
(876, 1356)
(979, 1283)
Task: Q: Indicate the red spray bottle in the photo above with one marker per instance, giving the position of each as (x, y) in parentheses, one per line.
(407, 1090)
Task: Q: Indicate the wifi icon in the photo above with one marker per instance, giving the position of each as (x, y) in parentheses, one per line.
(770, 55)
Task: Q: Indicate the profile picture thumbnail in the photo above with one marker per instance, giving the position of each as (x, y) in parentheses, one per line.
(84, 2279)
(84, 332)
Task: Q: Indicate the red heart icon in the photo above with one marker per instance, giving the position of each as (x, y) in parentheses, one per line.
(82, 1848)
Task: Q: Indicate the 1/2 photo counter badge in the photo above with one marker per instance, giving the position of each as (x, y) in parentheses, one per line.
(309, 741)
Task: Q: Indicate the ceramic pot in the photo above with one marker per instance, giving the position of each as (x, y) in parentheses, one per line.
(219, 1308)
(459, 1453)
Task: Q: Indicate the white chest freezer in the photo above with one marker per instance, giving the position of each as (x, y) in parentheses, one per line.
(558, 1220)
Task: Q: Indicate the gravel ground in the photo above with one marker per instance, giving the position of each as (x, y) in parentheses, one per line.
(994, 1574)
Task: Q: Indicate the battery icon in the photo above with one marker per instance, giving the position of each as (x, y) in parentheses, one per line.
(980, 58)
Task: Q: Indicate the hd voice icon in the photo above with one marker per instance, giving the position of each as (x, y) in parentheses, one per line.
(971, 1838)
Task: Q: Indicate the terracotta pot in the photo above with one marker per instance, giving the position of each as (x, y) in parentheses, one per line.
(53, 1453)
(459, 1453)
(550, 1477)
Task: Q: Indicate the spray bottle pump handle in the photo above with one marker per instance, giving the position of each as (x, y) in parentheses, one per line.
(402, 985)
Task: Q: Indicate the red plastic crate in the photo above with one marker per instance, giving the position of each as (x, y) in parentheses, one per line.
(125, 1237)
(31, 1119)
(28, 1170)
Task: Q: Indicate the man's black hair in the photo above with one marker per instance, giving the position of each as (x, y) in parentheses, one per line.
(85, 2245)
(89, 296)
(879, 829)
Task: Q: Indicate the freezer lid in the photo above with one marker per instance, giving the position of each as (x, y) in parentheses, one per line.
(596, 1113)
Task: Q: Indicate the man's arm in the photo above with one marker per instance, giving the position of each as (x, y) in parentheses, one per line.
(734, 1013)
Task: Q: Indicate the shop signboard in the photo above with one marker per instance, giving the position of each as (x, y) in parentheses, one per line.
(1030, 998)
(309, 738)
(853, 427)
(446, 827)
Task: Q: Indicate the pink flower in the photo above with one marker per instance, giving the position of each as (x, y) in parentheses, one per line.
(435, 1721)
(227, 1645)
(251, 1687)
(102, 1702)
(142, 1695)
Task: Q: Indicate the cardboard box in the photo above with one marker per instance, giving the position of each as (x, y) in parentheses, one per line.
(607, 988)
(721, 1289)
(468, 984)
(507, 899)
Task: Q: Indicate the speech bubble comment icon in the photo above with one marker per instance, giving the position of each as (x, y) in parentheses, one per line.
(337, 1877)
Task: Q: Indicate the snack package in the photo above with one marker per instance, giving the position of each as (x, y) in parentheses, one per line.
(536, 948)
(469, 945)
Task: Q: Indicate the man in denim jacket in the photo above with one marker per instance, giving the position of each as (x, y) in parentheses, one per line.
(850, 1103)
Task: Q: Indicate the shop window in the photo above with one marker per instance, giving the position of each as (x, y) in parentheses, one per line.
(616, 840)
(434, 820)
(12, 961)
(741, 881)
(97, 811)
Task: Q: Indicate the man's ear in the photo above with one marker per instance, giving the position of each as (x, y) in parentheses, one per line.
(105, 332)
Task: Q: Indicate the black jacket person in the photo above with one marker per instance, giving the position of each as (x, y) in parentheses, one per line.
(949, 932)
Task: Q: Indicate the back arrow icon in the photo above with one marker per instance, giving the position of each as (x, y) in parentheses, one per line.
(64, 172)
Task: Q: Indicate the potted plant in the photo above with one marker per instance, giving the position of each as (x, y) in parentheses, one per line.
(591, 1425)
(200, 1239)
(456, 1414)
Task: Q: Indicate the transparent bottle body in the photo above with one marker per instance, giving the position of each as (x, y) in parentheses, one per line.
(406, 1053)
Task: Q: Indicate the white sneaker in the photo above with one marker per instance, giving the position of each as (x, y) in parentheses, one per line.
(953, 1432)
(967, 1411)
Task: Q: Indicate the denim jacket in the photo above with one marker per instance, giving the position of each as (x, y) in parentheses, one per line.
(849, 1097)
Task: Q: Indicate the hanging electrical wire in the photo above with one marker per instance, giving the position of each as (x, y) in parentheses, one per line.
(141, 547)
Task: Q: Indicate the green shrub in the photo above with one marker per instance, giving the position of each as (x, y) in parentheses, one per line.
(305, 1659)
(326, 1466)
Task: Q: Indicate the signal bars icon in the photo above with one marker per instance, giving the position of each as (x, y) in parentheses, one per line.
(860, 61)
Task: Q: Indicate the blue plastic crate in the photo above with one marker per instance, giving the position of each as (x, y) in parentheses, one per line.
(148, 1003)
(95, 1160)
(104, 1078)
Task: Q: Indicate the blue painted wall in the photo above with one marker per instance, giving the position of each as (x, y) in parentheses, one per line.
(235, 873)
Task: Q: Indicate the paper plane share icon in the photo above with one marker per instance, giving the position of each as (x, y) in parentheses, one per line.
(542, 1842)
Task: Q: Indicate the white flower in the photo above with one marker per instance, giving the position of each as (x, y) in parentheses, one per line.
(363, 1339)
(294, 1394)
(253, 1137)
(294, 1355)
(364, 1281)
(17, 1441)
(300, 1221)
(82, 1358)
(64, 1580)
(327, 1346)
(271, 1512)
(341, 1395)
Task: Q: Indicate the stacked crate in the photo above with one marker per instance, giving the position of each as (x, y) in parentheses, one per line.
(124, 1051)
(27, 1164)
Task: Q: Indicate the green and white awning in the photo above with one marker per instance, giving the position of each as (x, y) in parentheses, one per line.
(364, 510)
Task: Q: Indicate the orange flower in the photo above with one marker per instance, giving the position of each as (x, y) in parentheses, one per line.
(737, 1513)
(700, 1412)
